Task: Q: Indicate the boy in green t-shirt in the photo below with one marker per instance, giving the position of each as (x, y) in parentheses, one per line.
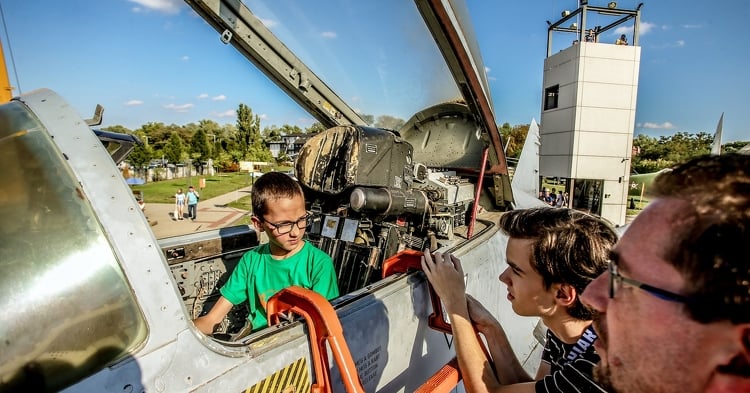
(279, 211)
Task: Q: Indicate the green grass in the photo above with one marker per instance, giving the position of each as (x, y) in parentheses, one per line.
(242, 203)
(639, 206)
(163, 191)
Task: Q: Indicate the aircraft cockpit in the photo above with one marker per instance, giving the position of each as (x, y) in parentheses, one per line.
(409, 158)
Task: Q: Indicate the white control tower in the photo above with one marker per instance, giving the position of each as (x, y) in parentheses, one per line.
(588, 107)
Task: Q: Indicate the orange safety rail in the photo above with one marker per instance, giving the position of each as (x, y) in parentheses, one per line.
(324, 327)
(412, 260)
(445, 379)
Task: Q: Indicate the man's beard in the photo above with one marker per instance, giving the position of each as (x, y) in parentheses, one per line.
(602, 377)
(602, 372)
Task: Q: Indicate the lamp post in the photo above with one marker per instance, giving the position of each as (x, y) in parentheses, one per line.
(214, 149)
(214, 145)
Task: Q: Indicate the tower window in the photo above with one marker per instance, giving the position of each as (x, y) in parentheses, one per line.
(550, 97)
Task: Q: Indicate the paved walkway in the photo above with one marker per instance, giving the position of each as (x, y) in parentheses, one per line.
(212, 214)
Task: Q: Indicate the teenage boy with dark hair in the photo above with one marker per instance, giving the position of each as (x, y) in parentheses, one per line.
(552, 253)
(279, 211)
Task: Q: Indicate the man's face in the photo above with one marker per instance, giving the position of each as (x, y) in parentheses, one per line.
(526, 290)
(648, 344)
(283, 211)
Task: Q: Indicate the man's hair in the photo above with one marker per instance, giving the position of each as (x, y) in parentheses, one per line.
(271, 186)
(568, 247)
(710, 241)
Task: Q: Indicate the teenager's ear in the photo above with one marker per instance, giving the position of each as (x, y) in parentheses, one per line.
(566, 295)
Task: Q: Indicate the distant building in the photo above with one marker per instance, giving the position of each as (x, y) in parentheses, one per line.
(588, 113)
(289, 144)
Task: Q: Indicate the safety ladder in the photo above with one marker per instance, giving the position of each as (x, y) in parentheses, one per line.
(325, 328)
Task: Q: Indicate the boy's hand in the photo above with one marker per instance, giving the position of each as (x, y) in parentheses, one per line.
(446, 275)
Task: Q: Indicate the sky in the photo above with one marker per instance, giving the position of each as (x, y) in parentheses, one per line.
(157, 61)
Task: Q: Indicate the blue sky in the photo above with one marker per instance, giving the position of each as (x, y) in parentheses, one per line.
(157, 61)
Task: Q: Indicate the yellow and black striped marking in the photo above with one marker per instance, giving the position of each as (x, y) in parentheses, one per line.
(291, 379)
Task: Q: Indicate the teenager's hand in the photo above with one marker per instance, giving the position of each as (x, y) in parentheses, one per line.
(480, 316)
(446, 275)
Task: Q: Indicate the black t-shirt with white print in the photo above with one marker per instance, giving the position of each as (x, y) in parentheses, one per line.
(571, 365)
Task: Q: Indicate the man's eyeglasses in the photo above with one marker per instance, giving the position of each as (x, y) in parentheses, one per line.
(616, 280)
(285, 227)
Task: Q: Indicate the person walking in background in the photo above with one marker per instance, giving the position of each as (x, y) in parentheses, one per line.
(192, 202)
(179, 204)
(674, 307)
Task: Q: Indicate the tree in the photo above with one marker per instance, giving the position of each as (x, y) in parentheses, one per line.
(248, 136)
(514, 137)
(248, 129)
(286, 129)
(654, 155)
(315, 128)
(214, 134)
(369, 119)
(389, 122)
(174, 148)
(733, 147)
(118, 128)
(140, 156)
(156, 133)
(199, 145)
(272, 133)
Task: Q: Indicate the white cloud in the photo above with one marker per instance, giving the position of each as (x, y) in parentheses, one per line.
(185, 58)
(202, 96)
(165, 6)
(227, 113)
(263, 116)
(220, 97)
(656, 126)
(134, 103)
(698, 26)
(179, 108)
(328, 34)
(680, 43)
(644, 28)
(269, 23)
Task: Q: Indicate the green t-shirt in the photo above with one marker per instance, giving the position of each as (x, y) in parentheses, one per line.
(258, 276)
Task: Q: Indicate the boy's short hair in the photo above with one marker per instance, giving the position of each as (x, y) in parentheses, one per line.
(270, 186)
(568, 247)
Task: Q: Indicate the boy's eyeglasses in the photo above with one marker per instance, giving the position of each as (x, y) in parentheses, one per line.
(616, 280)
(285, 227)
